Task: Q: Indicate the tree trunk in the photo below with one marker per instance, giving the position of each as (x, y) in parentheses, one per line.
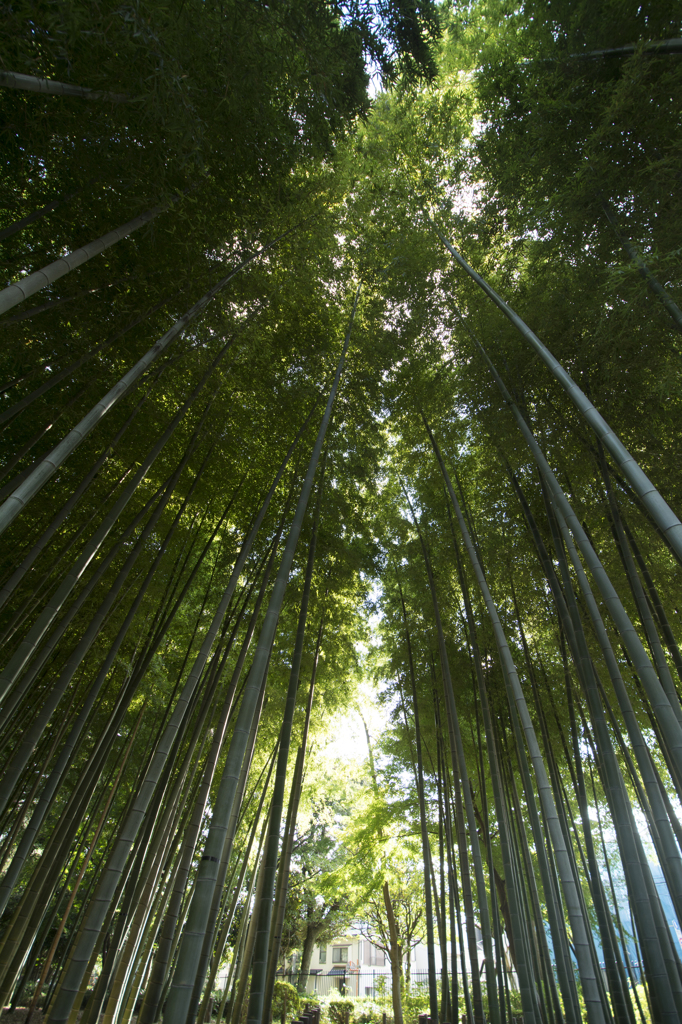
(653, 284)
(228, 844)
(68, 371)
(32, 736)
(236, 891)
(74, 892)
(508, 892)
(29, 644)
(236, 1011)
(8, 588)
(311, 933)
(654, 596)
(396, 956)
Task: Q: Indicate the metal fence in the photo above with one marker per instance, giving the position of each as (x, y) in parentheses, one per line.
(367, 984)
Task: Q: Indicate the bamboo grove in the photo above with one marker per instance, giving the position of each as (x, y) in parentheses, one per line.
(303, 390)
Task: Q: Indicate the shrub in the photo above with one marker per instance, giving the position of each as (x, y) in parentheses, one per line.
(285, 1001)
(370, 1013)
(415, 1003)
(342, 1011)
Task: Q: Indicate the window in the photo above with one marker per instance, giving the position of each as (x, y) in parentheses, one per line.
(323, 954)
(339, 954)
(376, 957)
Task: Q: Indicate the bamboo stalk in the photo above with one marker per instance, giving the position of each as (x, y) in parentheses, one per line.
(581, 943)
(460, 768)
(288, 842)
(8, 588)
(79, 878)
(655, 504)
(670, 726)
(32, 283)
(18, 500)
(23, 222)
(419, 781)
(108, 884)
(48, 87)
(189, 952)
(31, 737)
(29, 644)
(269, 868)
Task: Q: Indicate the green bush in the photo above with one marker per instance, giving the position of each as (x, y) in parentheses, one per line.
(342, 1011)
(370, 1013)
(285, 1001)
(416, 1002)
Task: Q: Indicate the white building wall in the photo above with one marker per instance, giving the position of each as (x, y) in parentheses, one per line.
(363, 955)
(358, 964)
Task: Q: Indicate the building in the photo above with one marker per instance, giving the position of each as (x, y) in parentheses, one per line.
(352, 967)
(355, 967)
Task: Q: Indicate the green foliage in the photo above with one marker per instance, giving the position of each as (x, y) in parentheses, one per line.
(341, 1011)
(285, 1001)
(415, 1001)
(319, 908)
(251, 122)
(367, 1012)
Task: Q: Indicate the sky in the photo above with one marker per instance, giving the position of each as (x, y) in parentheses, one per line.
(346, 738)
